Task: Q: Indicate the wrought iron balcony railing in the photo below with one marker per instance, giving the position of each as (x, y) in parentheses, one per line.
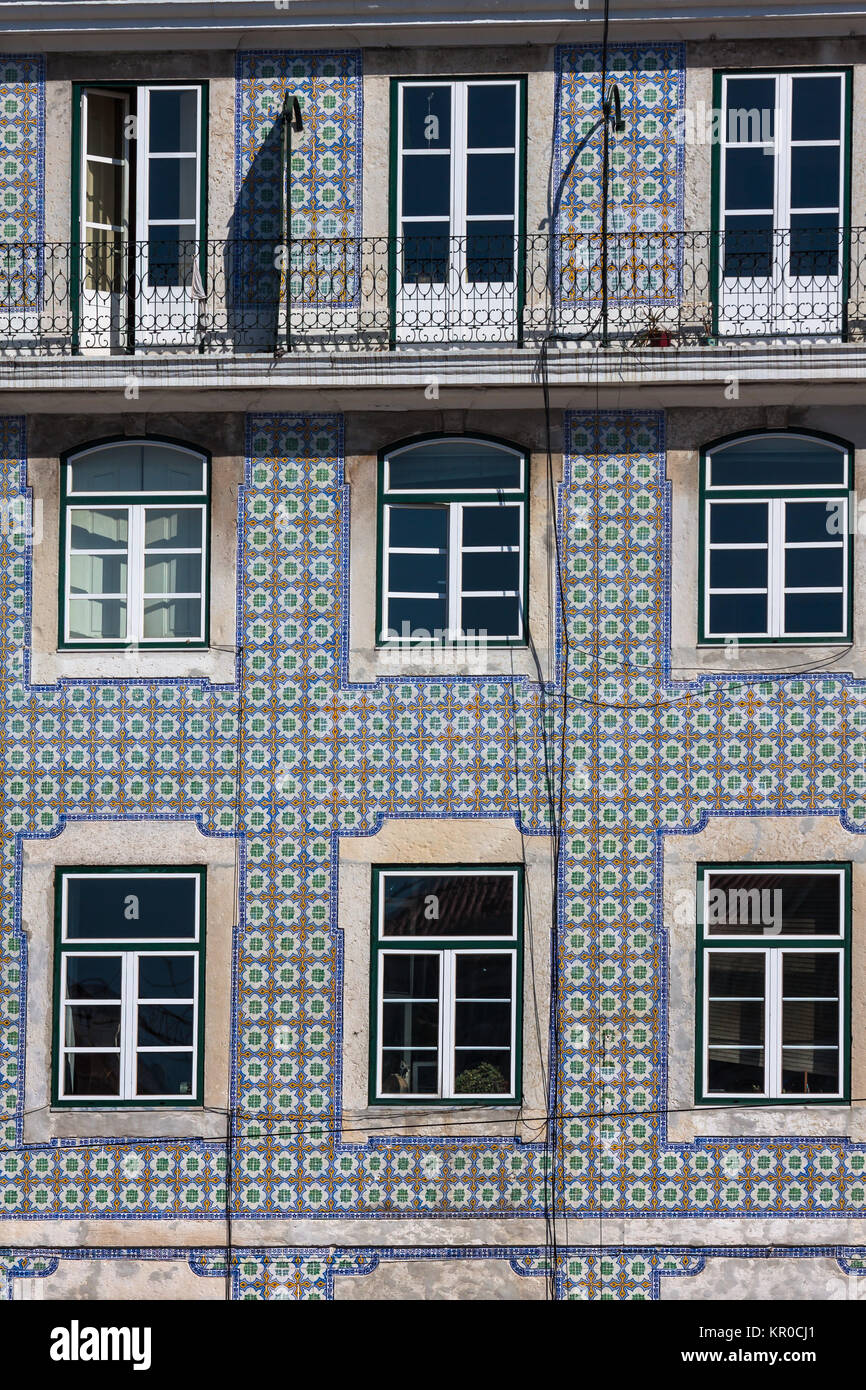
(367, 293)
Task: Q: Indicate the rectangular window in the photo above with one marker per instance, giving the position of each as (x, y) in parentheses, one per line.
(129, 986)
(446, 984)
(773, 947)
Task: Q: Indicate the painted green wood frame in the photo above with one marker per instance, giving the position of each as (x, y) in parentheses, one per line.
(115, 947)
(167, 499)
(75, 235)
(804, 943)
(417, 944)
(763, 494)
(394, 174)
(443, 498)
(716, 167)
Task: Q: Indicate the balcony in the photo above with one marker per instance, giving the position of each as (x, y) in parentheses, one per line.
(379, 294)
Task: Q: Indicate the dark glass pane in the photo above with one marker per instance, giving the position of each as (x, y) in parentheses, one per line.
(738, 614)
(171, 253)
(490, 571)
(731, 1072)
(423, 527)
(808, 1071)
(811, 974)
(105, 126)
(165, 573)
(497, 617)
(794, 904)
(815, 108)
(491, 525)
(810, 1021)
(408, 976)
(122, 905)
(410, 1025)
(749, 180)
(814, 614)
(405, 1070)
(491, 116)
(418, 573)
(816, 242)
(172, 618)
(751, 109)
(447, 464)
(815, 176)
(91, 1074)
(166, 1025)
(426, 117)
(746, 522)
(92, 1025)
(416, 618)
(173, 122)
(482, 1025)
(93, 977)
(426, 252)
(489, 184)
(172, 188)
(490, 250)
(819, 568)
(736, 973)
(479, 1072)
(747, 247)
(166, 977)
(167, 528)
(164, 1074)
(97, 528)
(738, 569)
(777, 461)
(814, 521)
(447, 905)
(484, 977)
(735, 1021)
(426, 185)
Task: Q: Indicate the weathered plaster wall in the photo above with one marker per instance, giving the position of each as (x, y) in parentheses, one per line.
(122, 1279)
(440, 1281)
(756, 1280)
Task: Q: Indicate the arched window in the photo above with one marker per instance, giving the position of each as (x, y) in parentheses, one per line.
(776, 539)
(134, 545)
(452, 526)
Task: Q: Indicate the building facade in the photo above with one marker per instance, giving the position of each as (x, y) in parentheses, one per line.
(434, 615)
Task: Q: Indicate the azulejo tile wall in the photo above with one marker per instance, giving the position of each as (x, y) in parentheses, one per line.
(646, 171)
(292, 757)
(22, 137)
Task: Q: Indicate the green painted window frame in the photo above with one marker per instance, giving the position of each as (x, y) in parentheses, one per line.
(116, 946)
(706, 943)
(446, 498)
(716, 169)
(116, 499)
(804, 494)
(441, 945)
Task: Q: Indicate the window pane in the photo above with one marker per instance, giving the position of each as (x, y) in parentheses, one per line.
(811, 974)
(815, 521)
(164, 1074)
(489, 184)
(735, 1071)
(469, 905)
(814, 614)
(418, 573)
(490, 251)
(810, 1021)
(175, 618)
(426, 117)
(491, 525)
(166, 977)
(103, 193)
(92, 1025)
(173, 121)
(470, 465)
(423, 527)
(737, 974)
(750, 109)
(166, 1025)
(164, 469)
(169, 527)
(426, 185)
(490, 571)
(815, 108)
(749, 179)
(734, 521)
(171, 253)
(409, 976)
(91, 1074)
(172, 189)
(736, 1021)
(410, 1025)
(490, 116)
(777, 461)
(173, 574)
(482, 1024)
(93, 977)
(426, 253)
(103, 260)
(133, 467)
(738, 569)
(97, 619)
(405, 1070)
(105, 126)
(478, 1072)
(810, 1071)
(789, 904)
(97, 574)
(816, 242)
(821, 569)
(747, 246)
(497, 617)
(484, 976)
(735, 613)
(130, 907)
(418, 618)
(815, 176)
(98, 529)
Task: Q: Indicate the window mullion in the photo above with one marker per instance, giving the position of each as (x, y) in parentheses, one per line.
(135, 575)
(455, 569)
(447, 976)
(129, 983)
(459, 166)
(773, 1027)
(776, 568)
